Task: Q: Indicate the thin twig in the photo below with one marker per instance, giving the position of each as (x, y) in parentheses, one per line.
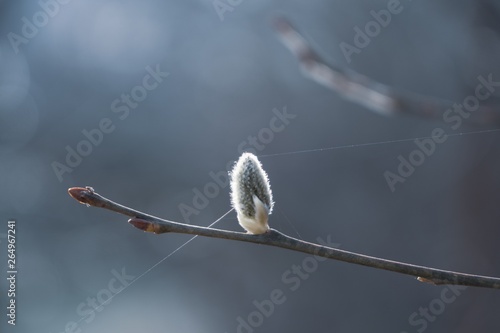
(364, 91)
(273, 237)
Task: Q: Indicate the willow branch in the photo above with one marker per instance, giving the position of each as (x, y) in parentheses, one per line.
(275, 238)
(366, 92)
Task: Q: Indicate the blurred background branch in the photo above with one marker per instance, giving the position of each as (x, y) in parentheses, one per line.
(364, 91)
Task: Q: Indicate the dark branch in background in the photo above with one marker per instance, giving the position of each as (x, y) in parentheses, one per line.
(273, 237)
(365, 91)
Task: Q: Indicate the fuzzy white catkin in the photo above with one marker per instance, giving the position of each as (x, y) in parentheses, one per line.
(251, 195)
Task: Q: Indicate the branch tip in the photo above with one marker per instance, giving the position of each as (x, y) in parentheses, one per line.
(80, 194)
(281, 24)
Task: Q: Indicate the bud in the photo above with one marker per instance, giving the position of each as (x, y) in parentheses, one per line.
(251, 195)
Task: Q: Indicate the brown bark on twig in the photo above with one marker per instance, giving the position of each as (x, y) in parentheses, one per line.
(275, 238)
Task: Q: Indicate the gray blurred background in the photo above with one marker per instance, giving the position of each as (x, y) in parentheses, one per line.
(227, 72)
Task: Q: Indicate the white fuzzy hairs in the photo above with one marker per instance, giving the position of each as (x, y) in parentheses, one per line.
(251, 195)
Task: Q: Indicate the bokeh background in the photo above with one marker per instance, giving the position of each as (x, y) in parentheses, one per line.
(225, 78)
